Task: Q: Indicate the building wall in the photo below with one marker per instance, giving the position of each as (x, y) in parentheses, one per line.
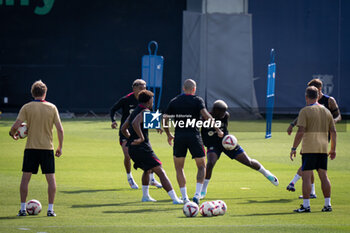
(310, 38)
(88, 52)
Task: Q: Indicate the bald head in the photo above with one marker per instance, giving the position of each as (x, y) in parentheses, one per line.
(189, 86)
(219, 109)
(220, 104)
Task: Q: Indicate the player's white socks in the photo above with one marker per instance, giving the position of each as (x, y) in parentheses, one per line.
(145, 190)
(50, 207)
(151, 176)
(205, 186)
(313, 189)
(327, 201)
(172, 195)
(23, 206)
(295, 179)
(184, 193)
(265, 172)
(306, 203)
(129, 175)
(198, 189)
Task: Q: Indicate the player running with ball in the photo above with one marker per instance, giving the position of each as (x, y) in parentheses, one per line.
(140, 149)
(214, 145)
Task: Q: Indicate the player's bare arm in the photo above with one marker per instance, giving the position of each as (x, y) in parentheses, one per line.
(60, 134)
(166, 129)
(136, 125)
(206, 116)
(298, 137)
(333, 106)
(125, 127)
(333, 133)
(291, 125)
(14, 129)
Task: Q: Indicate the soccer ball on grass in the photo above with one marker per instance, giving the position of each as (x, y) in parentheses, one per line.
(33, 207)
(190, 209)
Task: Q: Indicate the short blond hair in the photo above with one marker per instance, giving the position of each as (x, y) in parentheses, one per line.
(39, 89)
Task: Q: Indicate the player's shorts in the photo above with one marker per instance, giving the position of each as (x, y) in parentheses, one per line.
(312, 161)
(33, 158)
(192, 142)
(230, 153)
(122, 138)
(143, 157)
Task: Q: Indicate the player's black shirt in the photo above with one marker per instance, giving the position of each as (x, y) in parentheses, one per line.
(324, 101)
(132, 132)
(210, 136)
(127, 103)
(184, 108)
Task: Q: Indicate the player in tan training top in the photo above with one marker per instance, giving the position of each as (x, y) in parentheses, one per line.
(40, 117)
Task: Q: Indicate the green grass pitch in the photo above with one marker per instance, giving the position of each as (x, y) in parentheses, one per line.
(93, 195)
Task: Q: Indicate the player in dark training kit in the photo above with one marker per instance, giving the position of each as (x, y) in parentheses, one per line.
(140, 149)
(214, 145)
(128, 103)
(331, 104)
(186, 110)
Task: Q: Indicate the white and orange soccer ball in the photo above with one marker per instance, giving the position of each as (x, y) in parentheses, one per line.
(229, 142)
(222, 208)
(190, 209)
(207, 209)
(22, 131)
(33, 207)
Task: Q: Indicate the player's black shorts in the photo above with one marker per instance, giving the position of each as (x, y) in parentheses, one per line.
(33, 158)
(312, 161)
(193, 142)
(218, 149)
(122, 138)
(143, 157)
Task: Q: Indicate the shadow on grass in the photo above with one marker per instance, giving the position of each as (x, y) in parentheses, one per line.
(92, 191)
(136, 203)
(269, 214)
(21, 217)
(267, 201)
(148, 210)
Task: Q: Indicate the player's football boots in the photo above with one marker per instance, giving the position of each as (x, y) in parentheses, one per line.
(196, 199)
(302, 209)
(273, 179)
(51, 213)
(291, 187)
(22, 213)
(154, 182)
(148, 199)
(178, 201)
(327, 209)
(132, 183)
